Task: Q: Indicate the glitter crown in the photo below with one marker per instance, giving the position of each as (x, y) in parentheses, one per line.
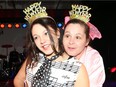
(34, 11)
(80, 12)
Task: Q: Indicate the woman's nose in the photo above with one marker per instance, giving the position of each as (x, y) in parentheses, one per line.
(71, 41)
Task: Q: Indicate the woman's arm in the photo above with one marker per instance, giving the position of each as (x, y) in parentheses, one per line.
(82, 78)
(96, 71)
(21, 76)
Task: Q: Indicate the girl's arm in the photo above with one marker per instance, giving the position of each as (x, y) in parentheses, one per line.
(82, 78)
(21, 76)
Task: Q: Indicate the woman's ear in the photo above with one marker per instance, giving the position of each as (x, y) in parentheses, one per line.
(58, 33)
(87, 42)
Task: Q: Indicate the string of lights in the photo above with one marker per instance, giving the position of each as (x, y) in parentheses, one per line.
(13, 25)
(21, 25)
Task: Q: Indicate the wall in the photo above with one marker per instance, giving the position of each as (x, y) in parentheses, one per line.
(14, 37)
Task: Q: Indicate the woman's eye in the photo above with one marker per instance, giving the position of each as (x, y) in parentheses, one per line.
(77, 37)
(66, 36)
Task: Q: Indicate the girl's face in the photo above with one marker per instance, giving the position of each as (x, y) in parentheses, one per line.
(74, 39)
(42, 40)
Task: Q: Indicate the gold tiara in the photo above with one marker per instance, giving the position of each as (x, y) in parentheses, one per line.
(80, 12)
(34, 11)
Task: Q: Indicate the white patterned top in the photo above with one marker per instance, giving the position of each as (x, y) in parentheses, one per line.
(63, 73)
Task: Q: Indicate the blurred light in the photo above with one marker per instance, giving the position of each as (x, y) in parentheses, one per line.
(113, 69)
(9, 25)
(59, 25)
(24, 25)
(17, 25)
(2, 25)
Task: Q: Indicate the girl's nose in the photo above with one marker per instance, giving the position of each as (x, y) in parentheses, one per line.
(42, 40)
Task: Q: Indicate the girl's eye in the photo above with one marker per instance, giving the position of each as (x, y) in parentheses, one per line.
(46, 33)
(34, 38)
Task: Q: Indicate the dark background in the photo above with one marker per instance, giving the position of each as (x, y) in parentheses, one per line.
(103, 17)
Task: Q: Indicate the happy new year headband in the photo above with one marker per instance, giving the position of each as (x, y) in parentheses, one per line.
(35, 11)
(81, 12)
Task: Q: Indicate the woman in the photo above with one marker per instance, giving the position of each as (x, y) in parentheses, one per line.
(46, 64)
(76, 39)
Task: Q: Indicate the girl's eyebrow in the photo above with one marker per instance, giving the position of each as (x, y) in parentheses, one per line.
(34, 35)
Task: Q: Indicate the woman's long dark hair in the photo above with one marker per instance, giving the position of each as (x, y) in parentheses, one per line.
(32, 50)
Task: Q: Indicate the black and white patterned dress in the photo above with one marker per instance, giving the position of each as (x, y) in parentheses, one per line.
(63, 74)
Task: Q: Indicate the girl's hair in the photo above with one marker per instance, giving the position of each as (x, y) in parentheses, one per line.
(32, 50)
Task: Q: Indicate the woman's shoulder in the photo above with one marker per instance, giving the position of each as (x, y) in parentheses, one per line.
(92, 55)
(90, 49)
(92, 52)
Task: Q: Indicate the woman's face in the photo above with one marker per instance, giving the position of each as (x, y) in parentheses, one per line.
(74, 39)
(41, 38)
